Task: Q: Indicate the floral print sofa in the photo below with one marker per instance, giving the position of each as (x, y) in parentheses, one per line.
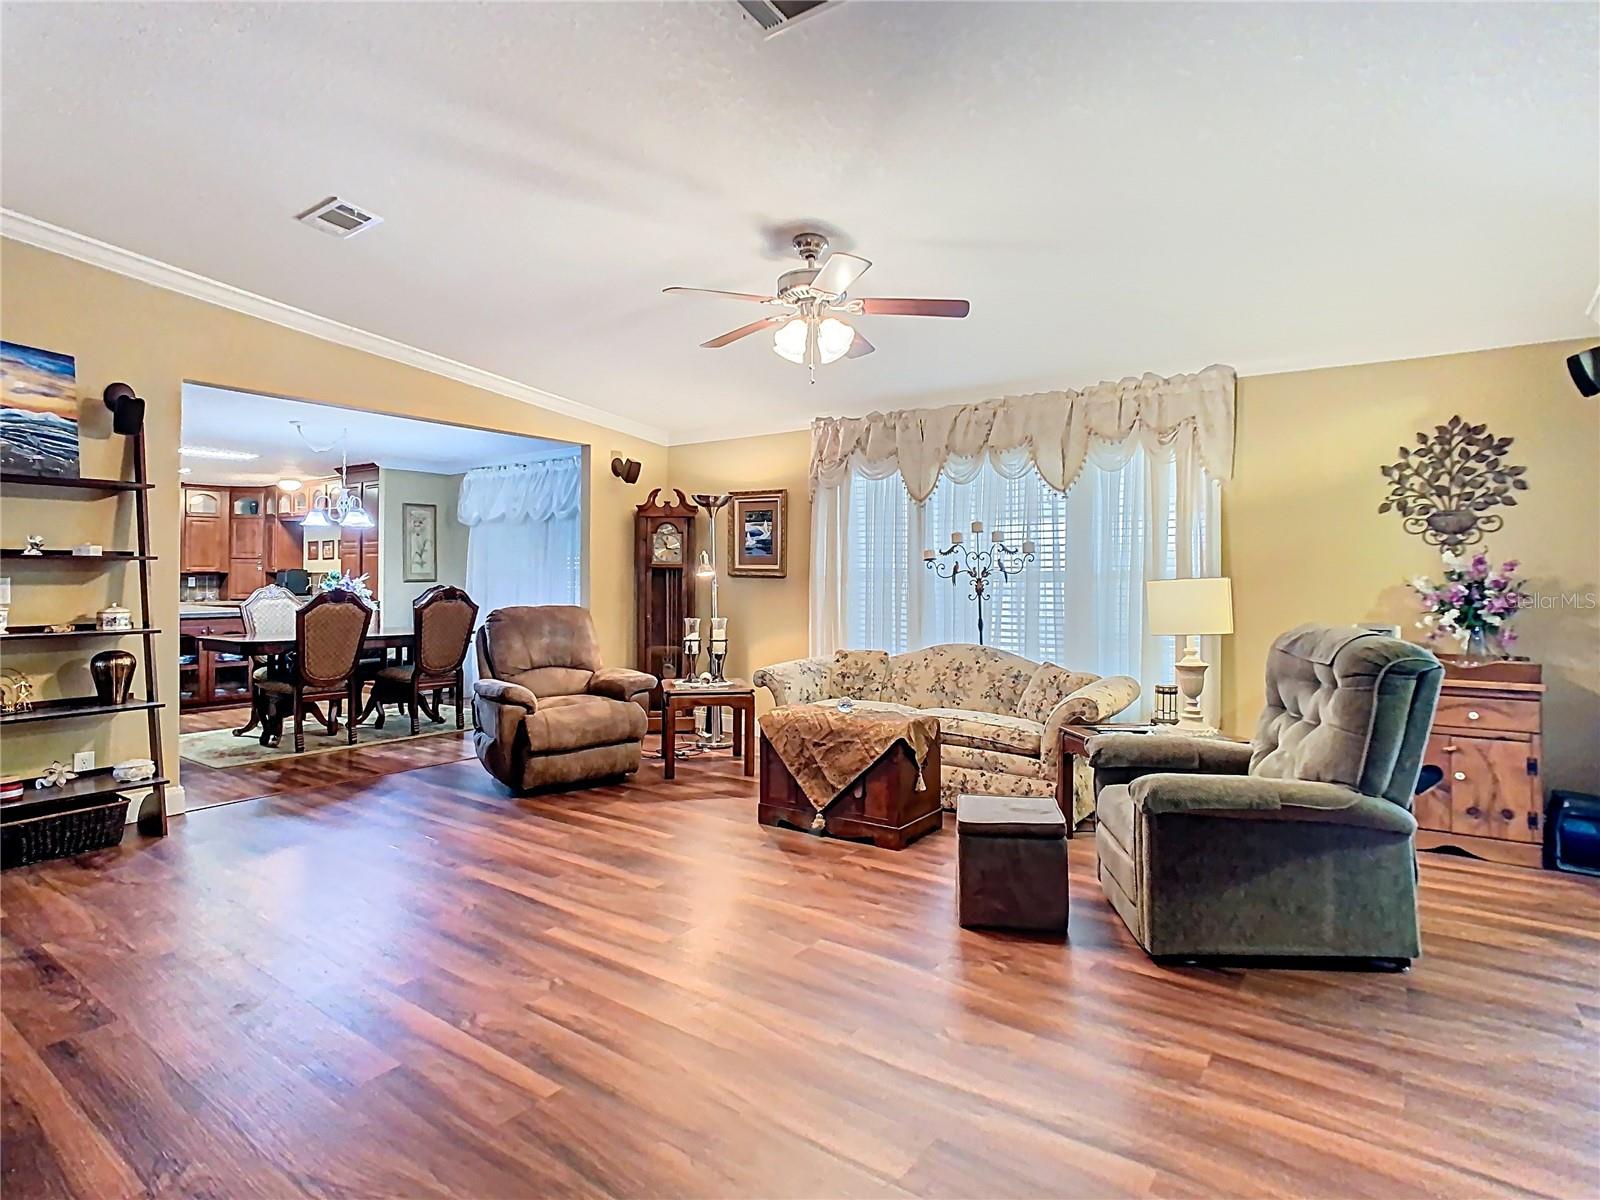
(999, 713)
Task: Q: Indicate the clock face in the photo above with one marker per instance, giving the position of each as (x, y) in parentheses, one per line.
(666, 544)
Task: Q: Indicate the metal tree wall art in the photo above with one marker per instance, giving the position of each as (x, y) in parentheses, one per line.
(1445, 486)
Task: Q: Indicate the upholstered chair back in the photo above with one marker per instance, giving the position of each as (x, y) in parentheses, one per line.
(443, 618)
(1349, 707)
(550, 649)
(958, 676)
(269, 612)
(329, 633)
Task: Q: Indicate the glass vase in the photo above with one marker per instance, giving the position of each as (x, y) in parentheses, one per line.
(1479, 649)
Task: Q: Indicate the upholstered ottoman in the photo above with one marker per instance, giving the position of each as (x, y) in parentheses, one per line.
(1011, 854)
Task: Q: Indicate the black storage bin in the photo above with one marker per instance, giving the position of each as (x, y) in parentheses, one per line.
(1572, 833)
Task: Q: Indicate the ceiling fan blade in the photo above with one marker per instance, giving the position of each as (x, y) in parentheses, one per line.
(731, 295)
(860, 347)
(838, 273)
(882, 307)
(717, 343)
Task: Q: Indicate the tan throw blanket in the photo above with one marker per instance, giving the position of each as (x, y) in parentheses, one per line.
(827, 750)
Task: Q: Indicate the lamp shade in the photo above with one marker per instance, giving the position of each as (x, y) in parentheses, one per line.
(1183, 607)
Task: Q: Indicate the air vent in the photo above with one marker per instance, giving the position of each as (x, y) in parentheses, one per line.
(338, 217)
(775, 16)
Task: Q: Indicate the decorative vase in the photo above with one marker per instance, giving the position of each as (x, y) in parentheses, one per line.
(1478, 650)
(113, 675)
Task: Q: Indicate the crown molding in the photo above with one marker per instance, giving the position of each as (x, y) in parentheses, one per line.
(53, 238)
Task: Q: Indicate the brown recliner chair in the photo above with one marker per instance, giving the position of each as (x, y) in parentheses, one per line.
(545, 712)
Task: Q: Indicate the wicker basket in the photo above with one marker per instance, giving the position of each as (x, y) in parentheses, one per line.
(58, 835)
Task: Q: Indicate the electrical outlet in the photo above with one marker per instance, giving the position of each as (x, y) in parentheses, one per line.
(82, 761)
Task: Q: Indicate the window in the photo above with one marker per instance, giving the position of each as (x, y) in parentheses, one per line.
(1079, 603)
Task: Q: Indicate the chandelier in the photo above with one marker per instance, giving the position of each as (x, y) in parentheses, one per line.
(345, 509)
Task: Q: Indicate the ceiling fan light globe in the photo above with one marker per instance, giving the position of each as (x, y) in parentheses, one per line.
(834, 338)
(789, 341)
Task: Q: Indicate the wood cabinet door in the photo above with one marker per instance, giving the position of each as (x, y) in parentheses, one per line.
(245, 575)
(1489, 789)
(204, 544)
(285, 549)
(245, 537)
(203, 502)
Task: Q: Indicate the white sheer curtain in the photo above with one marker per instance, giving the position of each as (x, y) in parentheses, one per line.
(1145, 507)
(524, 538)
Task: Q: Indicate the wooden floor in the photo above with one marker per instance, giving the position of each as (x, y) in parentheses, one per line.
(205, 786)
(410, 984)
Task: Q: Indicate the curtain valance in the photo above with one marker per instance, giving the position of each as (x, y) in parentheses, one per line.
(1049, 431)
(536, 491)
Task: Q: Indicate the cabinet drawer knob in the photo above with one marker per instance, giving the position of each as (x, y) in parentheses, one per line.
(1472, 714)
(1460, 774)
(1474, 812)
(1506, 814)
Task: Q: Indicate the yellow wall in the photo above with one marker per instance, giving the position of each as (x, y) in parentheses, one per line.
(1303, 540)
(1302, 537)
(120, 329)
(767, 618)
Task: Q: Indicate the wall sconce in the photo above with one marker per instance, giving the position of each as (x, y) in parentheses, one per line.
(625, 469)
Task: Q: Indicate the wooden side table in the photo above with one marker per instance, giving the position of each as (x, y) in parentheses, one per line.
(1486, 747)
(678, 697)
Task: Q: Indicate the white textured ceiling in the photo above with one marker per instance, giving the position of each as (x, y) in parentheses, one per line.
(1116, 188)
(223, 419)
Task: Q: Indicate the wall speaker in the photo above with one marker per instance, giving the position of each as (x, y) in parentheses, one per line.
(127, 409)
(1584, 367)
(626, 469)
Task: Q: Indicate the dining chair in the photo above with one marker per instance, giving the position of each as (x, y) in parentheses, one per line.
(442, 621)
(267, 612)
(328, 635)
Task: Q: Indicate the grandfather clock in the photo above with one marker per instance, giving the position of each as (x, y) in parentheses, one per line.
(663, 564)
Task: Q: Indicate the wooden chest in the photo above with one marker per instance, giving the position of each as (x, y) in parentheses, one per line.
(884, 804)
(1486, 743)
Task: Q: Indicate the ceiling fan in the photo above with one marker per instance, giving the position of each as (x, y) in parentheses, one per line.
(813, 298)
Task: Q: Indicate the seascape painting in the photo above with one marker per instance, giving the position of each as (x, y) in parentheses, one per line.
(38, 411)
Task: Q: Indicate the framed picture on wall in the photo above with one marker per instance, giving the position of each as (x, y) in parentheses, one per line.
(314, 551)
(758, 534)
(38, 411)
(419, 527)
(330, 550)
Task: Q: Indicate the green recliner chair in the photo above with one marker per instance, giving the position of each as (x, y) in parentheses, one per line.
(1297, 845)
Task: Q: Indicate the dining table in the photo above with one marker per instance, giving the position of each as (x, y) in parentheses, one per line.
(400, 641)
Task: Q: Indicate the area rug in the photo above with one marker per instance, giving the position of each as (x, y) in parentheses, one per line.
(219, 748)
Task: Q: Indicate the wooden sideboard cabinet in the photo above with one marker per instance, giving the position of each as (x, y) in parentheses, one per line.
(1486, 742)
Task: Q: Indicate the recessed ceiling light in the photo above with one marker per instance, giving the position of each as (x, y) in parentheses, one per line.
(213, 452)
(289, 485)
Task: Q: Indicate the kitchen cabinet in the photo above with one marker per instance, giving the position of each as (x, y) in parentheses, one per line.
(358, 548)
(207, 679)
(246, 542)
(203, 540)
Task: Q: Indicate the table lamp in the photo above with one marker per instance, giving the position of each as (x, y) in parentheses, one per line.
(1189, 608)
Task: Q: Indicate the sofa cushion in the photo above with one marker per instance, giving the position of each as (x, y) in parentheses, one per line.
(1049, 686)
(564, 723)
(861, 674)
(987, 731)
(959, 676)
(550, 649)
(995, 762)
(1113, 812)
